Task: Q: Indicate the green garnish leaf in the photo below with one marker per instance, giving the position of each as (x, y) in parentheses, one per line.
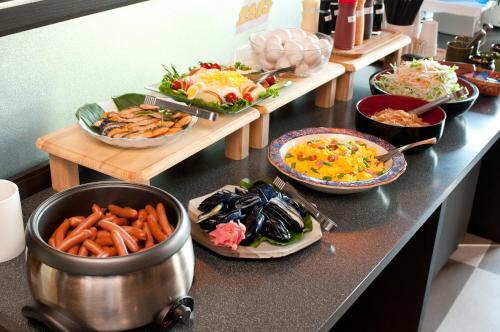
(246, 183)
(327, 178)
(293, 165)
(314, 170)
(341, 175)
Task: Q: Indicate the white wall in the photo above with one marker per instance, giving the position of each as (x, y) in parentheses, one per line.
(47, 73)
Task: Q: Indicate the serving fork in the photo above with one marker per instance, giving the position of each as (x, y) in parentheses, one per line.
(325, 222)
(152, 100)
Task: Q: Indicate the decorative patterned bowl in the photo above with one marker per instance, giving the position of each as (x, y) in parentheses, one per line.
(280, 146)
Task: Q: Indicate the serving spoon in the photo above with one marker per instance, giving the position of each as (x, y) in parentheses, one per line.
(462, 92)
(386, 156)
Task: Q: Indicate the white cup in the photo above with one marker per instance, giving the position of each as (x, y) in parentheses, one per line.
(11, 222)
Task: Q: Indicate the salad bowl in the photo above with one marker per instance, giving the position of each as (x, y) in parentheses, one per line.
(452, 108)
(279, 148)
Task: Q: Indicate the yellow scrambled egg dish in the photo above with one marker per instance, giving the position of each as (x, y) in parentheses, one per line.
(224, 78)
(328, 159)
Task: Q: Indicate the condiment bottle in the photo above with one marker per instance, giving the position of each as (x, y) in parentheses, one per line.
(325, 18)
(368, 19)
(346, 25)
(378, 15)
(360, 22)
(334, 8)
(310, 15)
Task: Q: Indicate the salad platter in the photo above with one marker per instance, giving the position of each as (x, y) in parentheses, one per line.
(333, 160)
(268, 228)
(222, 89)
(125, 121)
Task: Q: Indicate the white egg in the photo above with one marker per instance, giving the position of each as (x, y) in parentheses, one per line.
(258, 42)
(294, 52)
(298, 33)
(313, 38)
(312, 55)
(283, 62)
(325, 46)
(305, 43)
(273, 52)
(301, 68)
(266, 64)
(273, 40)
(283, 34)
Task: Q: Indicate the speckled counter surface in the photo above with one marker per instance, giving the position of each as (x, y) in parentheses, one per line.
(309, 290)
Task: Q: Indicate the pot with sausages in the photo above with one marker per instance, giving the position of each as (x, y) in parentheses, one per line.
(109, 256)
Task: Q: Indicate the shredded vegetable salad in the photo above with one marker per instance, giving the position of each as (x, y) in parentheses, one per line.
(425, 79)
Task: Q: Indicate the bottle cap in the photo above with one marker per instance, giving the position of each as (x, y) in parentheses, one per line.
(347, 2)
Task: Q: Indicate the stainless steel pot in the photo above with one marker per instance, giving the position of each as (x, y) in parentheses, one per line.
(115, 293)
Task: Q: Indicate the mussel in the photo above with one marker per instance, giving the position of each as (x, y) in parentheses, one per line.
(274, 229)
(286, 213)
(253, 223)
(222, 196)
(248, 201)
(264, 190)
(221, 218)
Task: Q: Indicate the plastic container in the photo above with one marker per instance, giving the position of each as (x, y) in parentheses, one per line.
(310, 15)
(367, 34)
(346, 25)
(360, 22)
(334, 8)
(325, 18)
(378, 15)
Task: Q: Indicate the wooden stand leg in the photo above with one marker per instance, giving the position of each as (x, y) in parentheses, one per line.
(64, 173)
(325, 94)
(237, 143)
(393, 58)
(259, 132)
(344, 86)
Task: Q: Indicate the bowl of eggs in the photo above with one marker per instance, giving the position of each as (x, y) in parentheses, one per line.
(282, 48)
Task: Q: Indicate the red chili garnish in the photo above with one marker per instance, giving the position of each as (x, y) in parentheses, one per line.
(215, 66)
(248, 97)
(271, 79)
(230, 97)
(319, 163)
(332, 158)
(332, 146)
(176, 85)
(354, 148)
(313, 157)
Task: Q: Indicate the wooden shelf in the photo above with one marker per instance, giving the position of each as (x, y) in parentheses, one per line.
(323, 81)
(71, 146)
(390, 50)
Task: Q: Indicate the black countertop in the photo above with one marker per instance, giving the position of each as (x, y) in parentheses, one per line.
(309, 290)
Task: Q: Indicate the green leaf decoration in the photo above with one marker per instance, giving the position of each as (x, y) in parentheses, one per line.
(128, 100)
(246, 183)
(90, 113)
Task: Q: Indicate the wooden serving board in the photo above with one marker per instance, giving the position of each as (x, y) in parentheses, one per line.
(71, 146)
(369, 45)
(264, 251)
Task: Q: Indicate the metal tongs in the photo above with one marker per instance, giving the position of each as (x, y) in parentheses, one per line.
(259, 76)
(325, 222)
(152, 100)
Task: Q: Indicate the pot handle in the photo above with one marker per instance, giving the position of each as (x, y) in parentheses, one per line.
(179, 311)
(52, 318)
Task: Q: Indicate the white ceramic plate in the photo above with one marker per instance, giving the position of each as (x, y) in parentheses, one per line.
(280, 146)
(264, 251)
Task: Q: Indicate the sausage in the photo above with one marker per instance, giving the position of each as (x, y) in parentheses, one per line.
(119, 243)
(130, 242)
(151, 210)
(83, 251)
(72, 241)
(108, 251)
(120, 221)
(163, 220)
(103, 233)
(75, 221)
(61, 232)
(93, 247)
(97, 208)
(87, 223)
(141, 218)
(138, 233)
(52, 241)
(94, 232)
(125, 212)
(149, 237)
(74, 250)
(104, 240)
(155, 229)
